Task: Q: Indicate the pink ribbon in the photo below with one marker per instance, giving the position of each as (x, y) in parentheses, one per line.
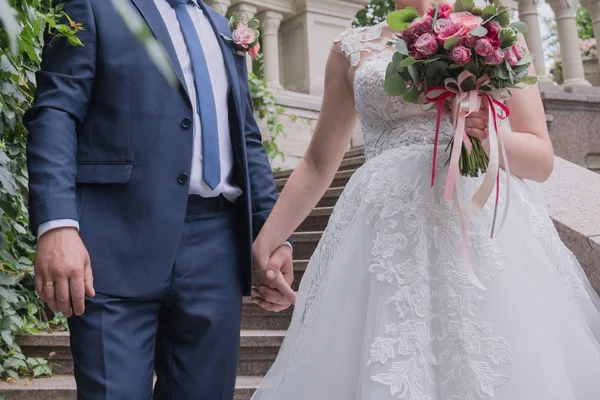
(465, 103)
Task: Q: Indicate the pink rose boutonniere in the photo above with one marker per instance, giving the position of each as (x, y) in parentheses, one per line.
(244, 36)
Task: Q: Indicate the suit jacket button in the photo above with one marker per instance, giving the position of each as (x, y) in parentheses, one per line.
(186, 123)
(182, 179)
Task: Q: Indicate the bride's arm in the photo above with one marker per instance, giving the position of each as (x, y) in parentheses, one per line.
(528, 147)
(316, 169)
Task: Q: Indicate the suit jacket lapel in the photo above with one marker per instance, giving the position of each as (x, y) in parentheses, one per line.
(221, 27)
(158, 27)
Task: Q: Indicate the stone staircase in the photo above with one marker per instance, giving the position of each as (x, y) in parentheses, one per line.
(262, 332)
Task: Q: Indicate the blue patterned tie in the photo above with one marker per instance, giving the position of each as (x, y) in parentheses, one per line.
(211, 166)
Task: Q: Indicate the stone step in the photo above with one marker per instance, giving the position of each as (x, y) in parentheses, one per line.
(357, 152)
(317, 220)
(340, 179)
(331, 197)
(258, 349)
(305, 244)
(346, 164)
(62, 387)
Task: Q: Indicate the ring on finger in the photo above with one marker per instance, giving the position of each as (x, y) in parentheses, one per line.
(50, 284)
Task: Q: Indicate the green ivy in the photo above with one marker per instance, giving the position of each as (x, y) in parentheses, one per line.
(20, 309)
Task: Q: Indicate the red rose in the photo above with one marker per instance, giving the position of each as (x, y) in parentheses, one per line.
(253, 51)
(420, 26)
(469, 41)
(426, 45)
(460, 54)
(493, 29)
(484, 47)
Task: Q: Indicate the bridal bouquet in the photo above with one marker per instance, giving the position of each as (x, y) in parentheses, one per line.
(461, 55)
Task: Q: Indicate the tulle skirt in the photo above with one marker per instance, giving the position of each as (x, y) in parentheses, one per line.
(386, 311)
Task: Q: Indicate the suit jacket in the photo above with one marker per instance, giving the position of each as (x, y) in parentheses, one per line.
(110, 145)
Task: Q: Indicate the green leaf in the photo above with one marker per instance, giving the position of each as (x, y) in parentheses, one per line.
(414, 72)
(7, 338)
(520, 26)
(451, 42)
(399, 20)
(254, 24)
(527, 58)
(479, 31)
(401, 47)
(407, 61)
(464, 5)
(412, 95)
(503, 18)
(74, 41)
(528, 80)
(508, 37)
(395, 86)
(489, 12)
(8, 295)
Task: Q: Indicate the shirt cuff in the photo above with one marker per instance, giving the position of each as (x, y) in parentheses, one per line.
(288, 244)
(55, 224)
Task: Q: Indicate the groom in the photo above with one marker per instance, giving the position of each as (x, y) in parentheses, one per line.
(155, 190)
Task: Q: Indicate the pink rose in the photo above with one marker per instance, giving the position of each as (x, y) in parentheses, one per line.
(426, 45)
(453, 30)
(444, 11)
(244, 36)
(493, 29)
(466, 19)
(469, 41)
(518, 51)
(484, 47)
(460, 54)
(441, 24)
(495, 58)
(253, 51)
(510, 56)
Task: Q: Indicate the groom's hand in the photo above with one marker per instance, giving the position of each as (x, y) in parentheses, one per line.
(63, 273)
(273, 284)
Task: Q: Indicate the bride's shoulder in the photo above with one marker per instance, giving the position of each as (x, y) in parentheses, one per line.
(352, 42)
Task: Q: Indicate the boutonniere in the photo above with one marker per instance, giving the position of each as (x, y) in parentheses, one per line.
(244, 36)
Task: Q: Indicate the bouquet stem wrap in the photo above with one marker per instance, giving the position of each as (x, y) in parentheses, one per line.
(464, 103)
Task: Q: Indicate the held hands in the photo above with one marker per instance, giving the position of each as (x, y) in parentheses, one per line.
(476, 124)
(272, 277)
(63, 273)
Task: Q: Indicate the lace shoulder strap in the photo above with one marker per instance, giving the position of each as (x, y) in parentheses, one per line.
(357, 40)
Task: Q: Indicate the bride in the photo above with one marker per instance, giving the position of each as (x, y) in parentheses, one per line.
(386, 310)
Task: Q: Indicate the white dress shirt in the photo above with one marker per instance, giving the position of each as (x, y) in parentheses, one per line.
(220, 84)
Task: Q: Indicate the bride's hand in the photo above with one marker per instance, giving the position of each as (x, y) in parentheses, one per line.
(476, 124)
(272, 278)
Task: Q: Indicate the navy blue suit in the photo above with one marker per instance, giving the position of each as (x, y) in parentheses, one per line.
(110, 145)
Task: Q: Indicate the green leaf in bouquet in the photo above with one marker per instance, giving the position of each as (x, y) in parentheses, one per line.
(452, 42)
(407, 61)
(502, 72)
(435, 15)
(395, 86)
(521, 70)
(508, 37)
(477, 11)
(397, 57)
(503, 18)
(254, 24)
(528, 80)
(401, 47)
(527, 58)
(412, 95)
(464, 5)
(399, 20)
(414, 72)
(489, 12)
(520, 26)
(392, 69)
(479, 31)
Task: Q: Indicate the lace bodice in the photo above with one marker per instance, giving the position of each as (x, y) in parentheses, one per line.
(387, 122)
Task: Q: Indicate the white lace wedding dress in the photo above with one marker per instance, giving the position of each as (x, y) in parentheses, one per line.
(385, 310)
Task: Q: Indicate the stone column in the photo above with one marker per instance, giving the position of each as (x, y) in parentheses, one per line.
(593, 6)
(246, 12)
(270, 22)
(221, 6)
(528, 13)
(564, 11)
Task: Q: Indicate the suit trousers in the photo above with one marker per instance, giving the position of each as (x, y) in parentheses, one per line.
(187, 330)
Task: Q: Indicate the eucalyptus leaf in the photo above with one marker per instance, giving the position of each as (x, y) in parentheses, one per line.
(528, 80)
(414, 72)
(503, 18)
(464, 5)
(395, 86)
(401, 47)
(526, 59)
(489, 12)
(407, 61)
(520, 26)
(451, 42)
(400, 19)
(479, 31)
